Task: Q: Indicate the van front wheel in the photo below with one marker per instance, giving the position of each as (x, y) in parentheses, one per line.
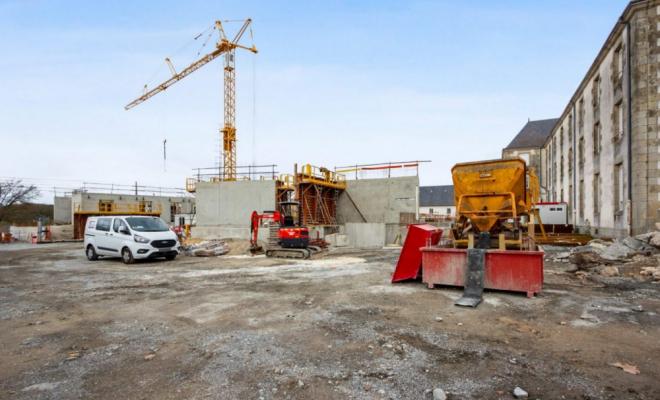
(127, 256)
(91, 253)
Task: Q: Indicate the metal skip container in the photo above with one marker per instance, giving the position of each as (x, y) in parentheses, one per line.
(410, 260)
(517, 271)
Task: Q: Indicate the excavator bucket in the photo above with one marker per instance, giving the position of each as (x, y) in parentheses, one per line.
(256, 249)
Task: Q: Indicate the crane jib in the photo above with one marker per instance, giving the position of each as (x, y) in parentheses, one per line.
(229, 130)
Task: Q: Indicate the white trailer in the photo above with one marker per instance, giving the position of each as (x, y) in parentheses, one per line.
(553, 213)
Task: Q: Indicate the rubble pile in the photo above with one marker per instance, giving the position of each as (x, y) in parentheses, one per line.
(634, 257)
(207, 248)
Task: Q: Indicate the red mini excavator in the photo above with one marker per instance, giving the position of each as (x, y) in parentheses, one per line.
(292, 238)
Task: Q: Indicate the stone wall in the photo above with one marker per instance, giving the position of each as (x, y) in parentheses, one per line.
(585, 161)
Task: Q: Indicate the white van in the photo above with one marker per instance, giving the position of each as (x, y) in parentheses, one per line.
(129, 237)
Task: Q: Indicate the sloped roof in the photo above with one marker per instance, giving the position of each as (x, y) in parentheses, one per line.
(436, 195)
(533, 134)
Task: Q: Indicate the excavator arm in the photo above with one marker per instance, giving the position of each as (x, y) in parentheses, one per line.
(255, 222)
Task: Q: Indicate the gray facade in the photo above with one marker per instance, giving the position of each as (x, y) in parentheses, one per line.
(602, 157)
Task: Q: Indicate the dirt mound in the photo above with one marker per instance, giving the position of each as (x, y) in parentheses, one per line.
(238, 247)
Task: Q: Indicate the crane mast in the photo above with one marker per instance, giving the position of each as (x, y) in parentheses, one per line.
(228, 49)
(229, 129)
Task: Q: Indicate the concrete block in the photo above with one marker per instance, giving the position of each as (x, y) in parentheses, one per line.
(366, 234)
(341, 240)
(331, 239)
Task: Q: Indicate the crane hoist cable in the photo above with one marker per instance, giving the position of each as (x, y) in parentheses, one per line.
(227, 49)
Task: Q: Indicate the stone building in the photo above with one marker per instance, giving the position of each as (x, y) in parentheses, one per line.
(601, 157)
(528, 142)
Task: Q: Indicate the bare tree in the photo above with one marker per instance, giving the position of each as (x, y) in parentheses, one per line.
(15, 192)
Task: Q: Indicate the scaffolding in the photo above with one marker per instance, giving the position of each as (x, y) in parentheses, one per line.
(82, 212)
(318, 190)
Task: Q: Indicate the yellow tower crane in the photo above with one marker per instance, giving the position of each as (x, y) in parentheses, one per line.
(228, 49)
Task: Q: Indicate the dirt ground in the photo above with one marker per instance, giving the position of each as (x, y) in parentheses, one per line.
(238, 327)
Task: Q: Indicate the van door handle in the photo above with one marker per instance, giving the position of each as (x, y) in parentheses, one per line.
(111, 234)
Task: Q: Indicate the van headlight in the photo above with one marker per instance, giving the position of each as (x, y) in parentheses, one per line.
(141, 239)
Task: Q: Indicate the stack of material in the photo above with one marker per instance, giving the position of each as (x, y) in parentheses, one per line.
(600, 252)
(207, 248)
(636, 257)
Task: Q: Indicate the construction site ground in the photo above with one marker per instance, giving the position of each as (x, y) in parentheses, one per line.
(241, 327)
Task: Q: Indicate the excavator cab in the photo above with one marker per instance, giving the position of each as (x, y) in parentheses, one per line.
(289, 213)
(291, 233)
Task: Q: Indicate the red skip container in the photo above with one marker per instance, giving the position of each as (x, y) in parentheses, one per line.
(410, 260)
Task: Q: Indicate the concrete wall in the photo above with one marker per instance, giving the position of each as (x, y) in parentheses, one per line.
(366, 234)
(23, 232)
(232, 203)
(228, 232)
(62, 213)
(90, 201)
(380, 201)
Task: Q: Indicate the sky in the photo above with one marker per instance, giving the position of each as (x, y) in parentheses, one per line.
(335, 83)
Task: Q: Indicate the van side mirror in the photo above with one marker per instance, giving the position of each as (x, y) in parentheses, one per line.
(124, 231)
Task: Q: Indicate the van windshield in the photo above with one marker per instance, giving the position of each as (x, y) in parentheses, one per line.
(143, 224)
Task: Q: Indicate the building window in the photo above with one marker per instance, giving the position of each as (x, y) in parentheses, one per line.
(570, 162)
(561, 168)
(524, 156)
(618, 187)
(570, 129)
(562, 196)
(596, 197)
(596, 138)
(570, 197)
(561, 140)
(430, 211)
(581, 200)
(581, 152)
(619, 113)
(581, 113)
(595, 91)
(619, 62)
(449, 211)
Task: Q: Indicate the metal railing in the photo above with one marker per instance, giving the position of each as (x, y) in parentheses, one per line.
(322, 176)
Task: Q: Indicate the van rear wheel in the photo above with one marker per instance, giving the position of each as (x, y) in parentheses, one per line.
(127, 256)
(91, 253)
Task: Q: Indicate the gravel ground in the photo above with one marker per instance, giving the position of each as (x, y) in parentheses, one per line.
(240, 327)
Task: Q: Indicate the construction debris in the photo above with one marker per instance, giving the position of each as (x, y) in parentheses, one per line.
(207, 248)
(599, 252)
(637, 257)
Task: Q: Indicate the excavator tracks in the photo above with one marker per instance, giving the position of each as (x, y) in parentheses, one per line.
(300, 254)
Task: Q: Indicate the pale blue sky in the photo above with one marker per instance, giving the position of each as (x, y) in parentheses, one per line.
(335, 82)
